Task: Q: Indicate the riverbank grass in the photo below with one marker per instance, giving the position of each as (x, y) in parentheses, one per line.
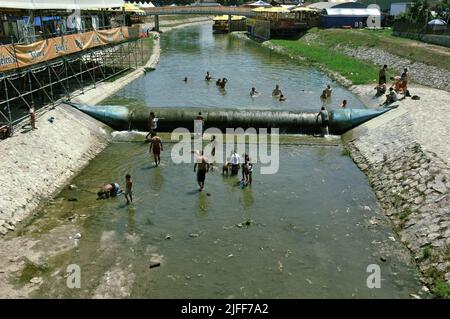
(384, 39)
(358, 72)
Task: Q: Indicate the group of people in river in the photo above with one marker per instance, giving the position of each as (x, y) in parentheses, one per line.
(230, 167)
(221, 82)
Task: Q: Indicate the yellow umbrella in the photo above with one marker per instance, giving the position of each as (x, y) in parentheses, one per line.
(303, 9)
(128, 7)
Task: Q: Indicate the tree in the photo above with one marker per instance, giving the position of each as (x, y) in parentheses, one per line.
(442, 10)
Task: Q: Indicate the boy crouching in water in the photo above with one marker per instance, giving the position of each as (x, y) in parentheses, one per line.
(128, 189)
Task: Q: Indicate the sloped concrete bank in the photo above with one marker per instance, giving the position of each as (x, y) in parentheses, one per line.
(35, 165)
(406, 157)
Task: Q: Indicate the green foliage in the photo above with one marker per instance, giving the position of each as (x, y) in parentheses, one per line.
(357, 71)
(442, 10)
(442, 290)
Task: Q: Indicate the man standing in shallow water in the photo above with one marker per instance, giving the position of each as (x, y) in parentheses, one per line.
(202, 167)
(157, 147)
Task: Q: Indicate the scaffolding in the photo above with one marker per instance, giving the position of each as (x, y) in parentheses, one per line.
(44, 85)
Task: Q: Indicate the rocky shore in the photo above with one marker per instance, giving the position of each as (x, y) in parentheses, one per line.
(420, 73)
(406, 157)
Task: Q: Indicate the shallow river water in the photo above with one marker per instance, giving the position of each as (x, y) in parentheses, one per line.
(310, 230)
(190, 52)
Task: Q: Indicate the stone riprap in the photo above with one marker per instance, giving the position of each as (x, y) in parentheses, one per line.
(420, 73)
(406, 155)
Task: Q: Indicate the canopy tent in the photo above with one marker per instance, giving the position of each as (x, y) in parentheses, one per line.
(144, 5)
(225, 18)
(360, 12)
(60, 4)
(131, 8)
(260, 3)
(304, 9)
(272, 10)
(437, 22)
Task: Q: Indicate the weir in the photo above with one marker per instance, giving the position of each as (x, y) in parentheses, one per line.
(123, 118)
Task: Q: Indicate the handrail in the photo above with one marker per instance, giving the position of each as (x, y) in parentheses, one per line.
(210, 10)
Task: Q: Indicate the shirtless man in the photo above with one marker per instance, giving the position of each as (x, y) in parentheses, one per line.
(247, 170)
(208, 76)
(157, 147)
(253, 92)
(202, 167)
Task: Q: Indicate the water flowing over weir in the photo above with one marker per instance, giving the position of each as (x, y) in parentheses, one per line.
(122, 118)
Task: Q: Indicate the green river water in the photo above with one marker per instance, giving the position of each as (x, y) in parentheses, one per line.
(313, 228)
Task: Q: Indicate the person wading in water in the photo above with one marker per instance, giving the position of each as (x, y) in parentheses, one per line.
(202, 167)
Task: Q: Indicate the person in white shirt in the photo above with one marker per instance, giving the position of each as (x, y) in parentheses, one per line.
(235, 161)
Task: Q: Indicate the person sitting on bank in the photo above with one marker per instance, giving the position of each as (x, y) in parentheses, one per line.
(282, 98)
(208, 76)
(253, 92)
(391, 97)
(109, 190)
(276, 91)
(381, 89)
(323, 114)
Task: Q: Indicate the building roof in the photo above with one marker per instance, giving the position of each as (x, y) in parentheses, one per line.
(60, 4)
(358, 12)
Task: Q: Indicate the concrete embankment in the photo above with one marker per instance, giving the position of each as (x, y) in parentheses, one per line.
(406, 157)
(36, 164)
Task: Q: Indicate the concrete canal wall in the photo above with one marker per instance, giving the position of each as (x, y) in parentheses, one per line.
(35, 165)
(406, 157)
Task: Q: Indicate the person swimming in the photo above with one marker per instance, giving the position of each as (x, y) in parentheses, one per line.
(185, 79)
(223, 82)
(253, 92)
(208, 76)
(326, 93)
(276, 91)
(218, 81)
(282, 98)
(109, 190)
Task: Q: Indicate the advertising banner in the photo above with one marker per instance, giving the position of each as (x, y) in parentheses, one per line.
(22, 55)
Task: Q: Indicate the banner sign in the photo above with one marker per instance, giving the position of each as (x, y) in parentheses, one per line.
(22, 55)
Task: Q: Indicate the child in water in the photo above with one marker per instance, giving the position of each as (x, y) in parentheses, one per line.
(128, 189)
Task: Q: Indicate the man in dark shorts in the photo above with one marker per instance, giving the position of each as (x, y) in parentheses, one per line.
(382, 75)
(324, 120)
(202, 167)
(156, 146)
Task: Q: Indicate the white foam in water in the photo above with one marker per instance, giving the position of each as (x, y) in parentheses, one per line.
(127, 135)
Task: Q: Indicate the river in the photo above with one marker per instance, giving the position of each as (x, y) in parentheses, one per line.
(309, 231)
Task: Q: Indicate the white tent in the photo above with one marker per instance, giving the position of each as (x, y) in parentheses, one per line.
(143, 4)
(260, 3)
(146, 5)
(60, 4)
(437, 22)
